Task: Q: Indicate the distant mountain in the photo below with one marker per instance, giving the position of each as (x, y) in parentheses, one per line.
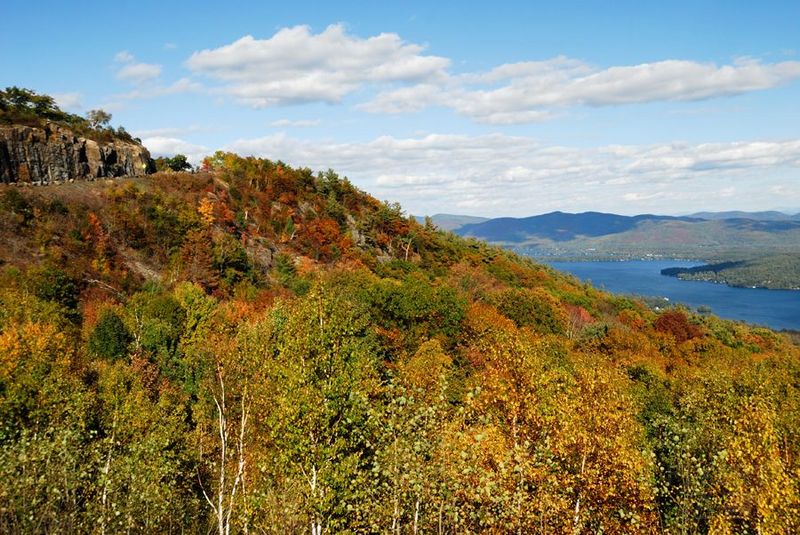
(600, 236)
(771, 215)
(559, 226)
(452, 221)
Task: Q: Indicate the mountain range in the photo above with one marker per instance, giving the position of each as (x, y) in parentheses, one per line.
(705, 235)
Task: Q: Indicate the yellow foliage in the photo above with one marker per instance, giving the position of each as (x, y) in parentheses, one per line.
(31, 343)
(424, 370)
(756, 488)
(206, 211)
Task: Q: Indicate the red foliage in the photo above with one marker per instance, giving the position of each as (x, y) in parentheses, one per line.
(676, 323)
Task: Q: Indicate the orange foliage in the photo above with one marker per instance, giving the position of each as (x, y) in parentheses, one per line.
(322, 237)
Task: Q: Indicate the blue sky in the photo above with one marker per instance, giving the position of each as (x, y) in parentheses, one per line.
(503, 108)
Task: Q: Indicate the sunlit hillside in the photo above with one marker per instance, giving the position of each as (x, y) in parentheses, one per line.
(259, 348)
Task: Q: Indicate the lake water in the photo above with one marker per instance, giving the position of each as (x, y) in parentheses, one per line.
(779, 309)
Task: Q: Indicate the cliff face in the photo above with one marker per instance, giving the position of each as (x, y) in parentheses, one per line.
(55, 153)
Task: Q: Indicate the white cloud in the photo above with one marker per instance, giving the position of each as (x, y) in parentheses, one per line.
(133, 72)
(170, 146)
(532, 91)
(123, 57)
(184, 85)
(169, 131)
(139, 72)
(300, 123)
(504, 175)
(68, 101)
(295, 65)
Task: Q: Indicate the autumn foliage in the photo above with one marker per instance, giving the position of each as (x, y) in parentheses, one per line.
(259, 348)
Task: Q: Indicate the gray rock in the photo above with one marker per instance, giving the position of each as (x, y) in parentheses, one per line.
(55, 153)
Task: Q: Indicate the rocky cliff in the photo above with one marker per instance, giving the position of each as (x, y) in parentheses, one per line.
(54, 153)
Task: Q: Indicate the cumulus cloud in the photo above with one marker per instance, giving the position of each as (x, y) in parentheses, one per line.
(506, 175)
(296, 66)
(135, 72)
(300, 123)
(139, 72)
(170, 146)
(183, 85)
(532, 91)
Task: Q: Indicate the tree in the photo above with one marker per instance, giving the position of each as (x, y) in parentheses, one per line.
(176, 163)
(98, 118)
(179, 162)
(110, 338)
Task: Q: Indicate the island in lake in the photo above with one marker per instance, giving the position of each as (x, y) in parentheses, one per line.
(779, 271)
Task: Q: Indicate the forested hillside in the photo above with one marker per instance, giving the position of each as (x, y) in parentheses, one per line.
(258, 348)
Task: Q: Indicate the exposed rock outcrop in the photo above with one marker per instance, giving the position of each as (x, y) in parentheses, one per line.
(55, 153)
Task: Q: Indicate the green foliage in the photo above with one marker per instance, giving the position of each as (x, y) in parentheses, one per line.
(532, 308)
(158, 324)
(110, 338)
(176, 163)
(27, 107)
(51, 283)
(19, 104)
(230, 259)
(286, 273)
(416, 308)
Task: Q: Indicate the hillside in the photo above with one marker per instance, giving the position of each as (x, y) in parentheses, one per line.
(769, 271)
(256, 347)
(451, 221)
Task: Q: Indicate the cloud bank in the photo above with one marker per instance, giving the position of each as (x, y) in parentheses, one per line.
(505, 175)
(533, 91)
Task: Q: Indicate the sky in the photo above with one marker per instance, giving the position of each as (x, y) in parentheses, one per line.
(482, 108)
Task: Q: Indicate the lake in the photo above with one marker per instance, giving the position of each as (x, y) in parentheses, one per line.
(778, 309)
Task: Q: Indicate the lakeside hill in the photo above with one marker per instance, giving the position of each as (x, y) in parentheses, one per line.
(280, 342)
(585, 230)
(777, 271)
(558, 226)
(759, 243)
